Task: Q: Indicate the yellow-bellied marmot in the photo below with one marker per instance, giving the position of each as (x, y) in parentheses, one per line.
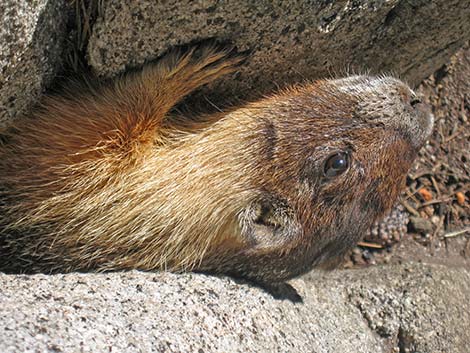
(109, 178)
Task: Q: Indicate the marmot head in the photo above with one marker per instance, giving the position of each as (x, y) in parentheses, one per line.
(333, 157)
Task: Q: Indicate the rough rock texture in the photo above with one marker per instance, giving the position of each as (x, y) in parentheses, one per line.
(289, 41)
(31, 41)
(410, 308)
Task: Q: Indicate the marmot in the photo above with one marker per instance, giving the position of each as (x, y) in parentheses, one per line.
(108, 176)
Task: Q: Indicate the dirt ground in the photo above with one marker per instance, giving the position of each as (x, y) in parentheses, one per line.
(432, 220)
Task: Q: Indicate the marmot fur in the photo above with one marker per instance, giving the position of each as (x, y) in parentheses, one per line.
(108, 176)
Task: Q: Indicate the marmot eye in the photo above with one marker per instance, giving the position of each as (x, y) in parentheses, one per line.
(336, 164)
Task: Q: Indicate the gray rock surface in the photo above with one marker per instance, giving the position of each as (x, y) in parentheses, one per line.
(290, 41)
(32, 36)
(408, 308)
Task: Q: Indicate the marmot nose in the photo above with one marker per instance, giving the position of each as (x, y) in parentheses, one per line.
(415, 101)
(421, 108)
(420, 121)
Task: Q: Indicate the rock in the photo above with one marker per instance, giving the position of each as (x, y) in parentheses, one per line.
(31, 41)
(407, 308)
(414, 306)
(390, 229)
(421, 225)
(289, 41)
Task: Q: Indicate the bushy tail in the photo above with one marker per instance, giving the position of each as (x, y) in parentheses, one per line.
(147, 96)
(125, 116)
(165, 83)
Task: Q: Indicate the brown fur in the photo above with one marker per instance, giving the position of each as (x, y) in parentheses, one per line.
(109, 178)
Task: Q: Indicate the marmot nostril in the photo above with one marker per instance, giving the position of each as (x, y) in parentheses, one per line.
(112, 177)
(415, 101)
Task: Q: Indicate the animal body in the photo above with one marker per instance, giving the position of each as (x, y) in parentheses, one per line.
(108, 176)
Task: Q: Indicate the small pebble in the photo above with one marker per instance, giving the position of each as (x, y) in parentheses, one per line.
(460, 198)
(421, 225)
(426, 194)
(435, 220)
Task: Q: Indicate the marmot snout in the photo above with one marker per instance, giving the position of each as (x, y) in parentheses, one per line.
(111, 178)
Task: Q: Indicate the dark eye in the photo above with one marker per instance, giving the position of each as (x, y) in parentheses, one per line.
(336, 164)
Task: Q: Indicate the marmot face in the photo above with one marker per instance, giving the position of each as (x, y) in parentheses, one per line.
(109, 178)
(334, 158)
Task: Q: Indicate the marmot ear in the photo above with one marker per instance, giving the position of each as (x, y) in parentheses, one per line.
(269, 222)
